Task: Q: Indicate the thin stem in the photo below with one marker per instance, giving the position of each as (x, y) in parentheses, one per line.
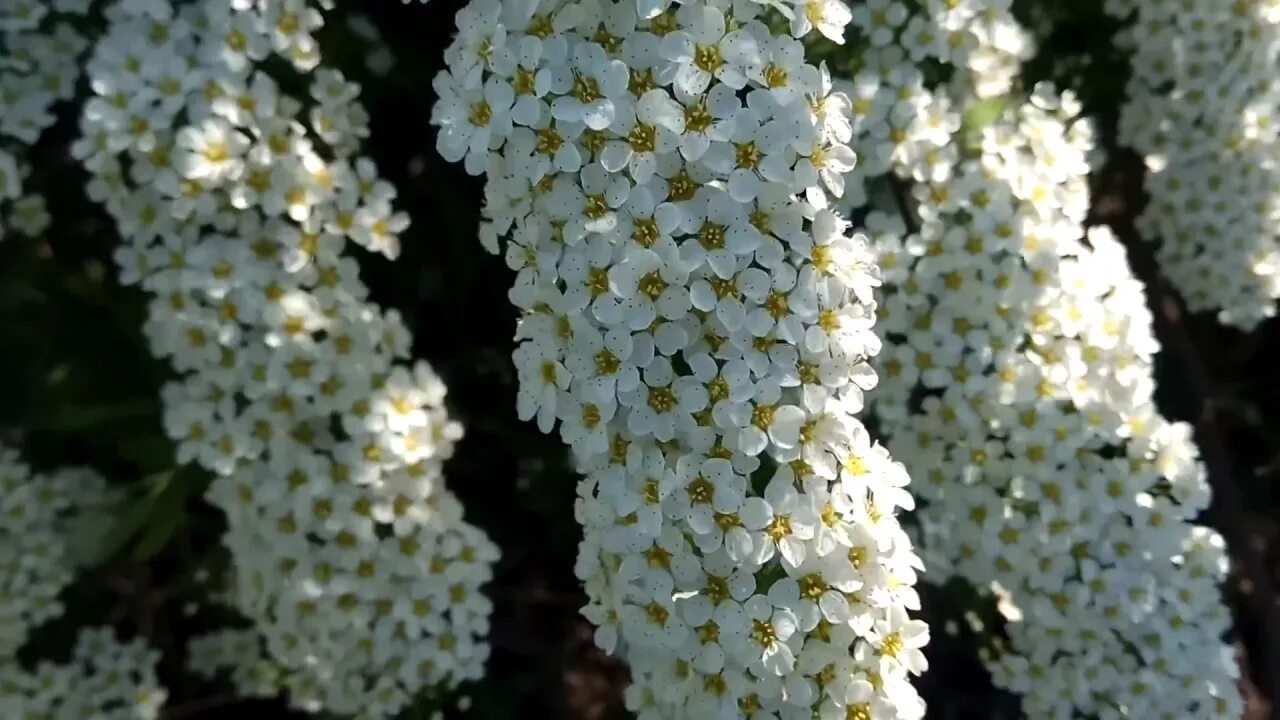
(195, 707)
(901, 198)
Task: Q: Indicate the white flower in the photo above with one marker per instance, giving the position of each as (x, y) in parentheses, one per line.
(647, 286)
(723, 233)
(705, 51)
(542, 378)
(649, 130)
(828, 17)
(212, 151)
(708, 118)
(592, 87)
(468, 128)
(781, 521)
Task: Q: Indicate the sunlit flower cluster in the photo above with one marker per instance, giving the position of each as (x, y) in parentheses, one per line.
(236, 200)
(40, 54)
(672, 184)
(979, 39)
(1201, 109)
(897, 124)
(1048, 475)
(1017, 387)
(697, 319)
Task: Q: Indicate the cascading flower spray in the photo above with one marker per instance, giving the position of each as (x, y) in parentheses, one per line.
(236, 200)
(698, 319)
(1017, 385)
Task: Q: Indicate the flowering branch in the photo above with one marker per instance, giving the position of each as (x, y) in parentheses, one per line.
(1228, 512)
(1200, 111)
(697, 319)
(1018, 387)
(236, 201)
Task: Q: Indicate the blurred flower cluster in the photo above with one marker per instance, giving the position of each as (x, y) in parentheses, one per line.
(50, 524)
(1202, 112)
(40, 62)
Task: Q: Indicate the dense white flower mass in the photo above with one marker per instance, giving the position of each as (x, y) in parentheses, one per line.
(236, 200)
(1048, 474)
(697, 319)
(1017, 386)
(1201, 110)
(40, 61)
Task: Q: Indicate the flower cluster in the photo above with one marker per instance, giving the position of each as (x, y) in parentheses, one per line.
(236, 200)
(897, 125)
(39, 64)
(980, 39)
(235, 654)
(698, 319)
(1201, 110)
(1019, 354)
(51, 522)
(104, 680)
(1048, 475)
(45, 518)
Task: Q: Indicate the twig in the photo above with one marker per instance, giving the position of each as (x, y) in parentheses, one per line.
(196, 707)
(900, 198)
(1228, 511)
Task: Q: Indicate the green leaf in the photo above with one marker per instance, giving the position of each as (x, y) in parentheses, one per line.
(982, 113)
(71, 418)
(130, 519)
(153, 518)
(159, 530)
(149, 451)
(164, 517)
